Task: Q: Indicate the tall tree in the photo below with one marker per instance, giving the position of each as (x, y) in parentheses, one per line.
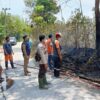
(97, 16)
(43, 11)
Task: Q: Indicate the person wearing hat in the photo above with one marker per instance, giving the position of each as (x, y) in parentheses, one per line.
(26, 50)
(49, 45)
(57, 55)
(8, 52)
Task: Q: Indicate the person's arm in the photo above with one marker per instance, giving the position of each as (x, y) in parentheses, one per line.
(58, 50)
(11, 49)
(59, 53)
(4, 48)
(24, 50)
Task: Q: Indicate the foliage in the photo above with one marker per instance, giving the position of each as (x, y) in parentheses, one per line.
(82, 28)
(78, 31)
(43, 11)
(12, 25)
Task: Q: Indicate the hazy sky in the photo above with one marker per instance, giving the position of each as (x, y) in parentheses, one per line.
(18, 7)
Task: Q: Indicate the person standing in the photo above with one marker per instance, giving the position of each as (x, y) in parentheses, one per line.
(8, 53)
(57, 55)
(1, 70)
(26, 50)
(50, 51)
(43, 63)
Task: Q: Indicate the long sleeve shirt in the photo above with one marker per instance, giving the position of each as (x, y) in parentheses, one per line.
(42, 50)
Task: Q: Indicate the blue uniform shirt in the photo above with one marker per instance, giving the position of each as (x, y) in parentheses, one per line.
(28, 48)
(7, 48)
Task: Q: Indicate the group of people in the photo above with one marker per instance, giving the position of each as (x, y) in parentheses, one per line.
(8, 54)
(51, 57)
(49, 51)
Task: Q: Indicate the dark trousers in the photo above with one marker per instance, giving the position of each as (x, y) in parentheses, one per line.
(11, 62)
(50, 62)
(57, 66)
(42, 71)
(42, 76)
(9, 57)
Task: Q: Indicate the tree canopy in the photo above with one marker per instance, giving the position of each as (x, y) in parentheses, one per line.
(43, 11)
(13, 24)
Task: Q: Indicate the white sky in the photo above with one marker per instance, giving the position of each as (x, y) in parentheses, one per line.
(18, 7)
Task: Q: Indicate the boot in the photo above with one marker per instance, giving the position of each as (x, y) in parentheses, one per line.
(56, 73)
(41, 84)
(45, 81)
(6, 65)
(12, 64)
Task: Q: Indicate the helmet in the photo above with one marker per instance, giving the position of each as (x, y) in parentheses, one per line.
(58, 34)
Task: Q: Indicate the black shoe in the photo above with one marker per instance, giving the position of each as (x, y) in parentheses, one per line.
(43, 88)
(48, 83)
(13, 67)
(6, 68)
(57, 76)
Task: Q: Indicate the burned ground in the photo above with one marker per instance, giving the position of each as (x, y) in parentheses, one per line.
(83, 62)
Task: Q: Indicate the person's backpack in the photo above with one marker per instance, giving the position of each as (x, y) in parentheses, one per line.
(37, 56)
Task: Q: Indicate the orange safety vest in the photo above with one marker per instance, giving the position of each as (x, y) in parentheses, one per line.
(49, 46)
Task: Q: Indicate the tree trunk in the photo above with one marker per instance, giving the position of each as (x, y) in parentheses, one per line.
(97, 16)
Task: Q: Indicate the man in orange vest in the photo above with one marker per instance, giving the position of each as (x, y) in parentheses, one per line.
(8, 53)
(50, 51)
(57, 55)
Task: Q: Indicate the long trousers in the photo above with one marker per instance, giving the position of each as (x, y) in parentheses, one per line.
(57, 66)
(26, 61)
(50, 62)
(42, 76)
(9, 58)
(42, 71)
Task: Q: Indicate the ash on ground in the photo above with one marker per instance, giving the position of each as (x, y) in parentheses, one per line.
(82, 62)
